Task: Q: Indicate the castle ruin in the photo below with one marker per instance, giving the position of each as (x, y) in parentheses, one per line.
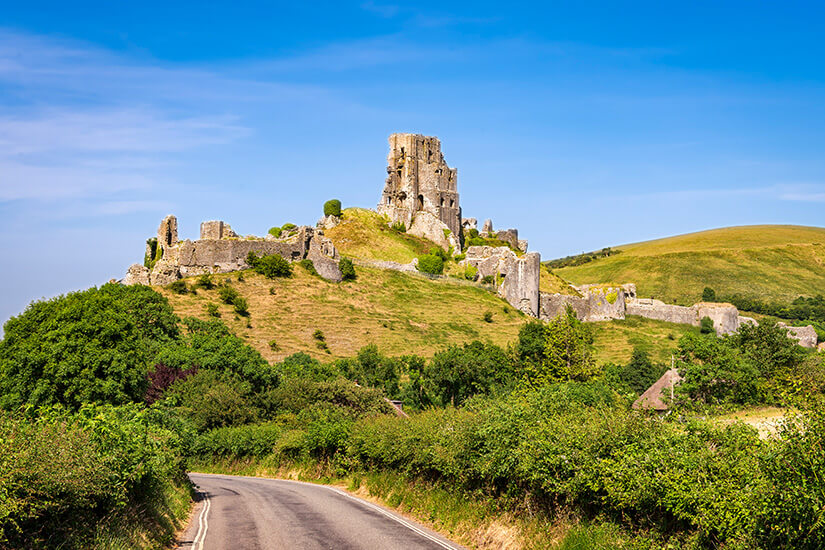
(421, 191)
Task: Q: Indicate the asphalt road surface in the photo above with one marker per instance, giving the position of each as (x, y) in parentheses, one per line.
(250, 513)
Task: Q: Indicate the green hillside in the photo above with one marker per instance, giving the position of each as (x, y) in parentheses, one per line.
(774, 262)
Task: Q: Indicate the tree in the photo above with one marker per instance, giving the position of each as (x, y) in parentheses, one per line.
(708, 295)
(706, 326)
(92, 346)
(715, 371)
(640, 373)
(332, 208)
(567, 353)
(459, 372)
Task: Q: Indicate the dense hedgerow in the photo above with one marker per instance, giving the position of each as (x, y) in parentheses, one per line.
(66, 474)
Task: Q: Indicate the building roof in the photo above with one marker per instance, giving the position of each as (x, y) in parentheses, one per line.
(657, 397)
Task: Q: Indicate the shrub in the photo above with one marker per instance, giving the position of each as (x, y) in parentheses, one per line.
(611, 297)
(488, 317)
(178, 287)
(308, 266)
(205, 282)
(459, 372)
(241, 306)
(706, 326)
(228, 294)
(708, 295)
(212, 310)
(153, 253)
(347, 269)
(91, 346)
(470, 272)
(275, 231)
(399, 227)
(319, 335)
(472, 233)
(273, 345)
(488, 279)
(271, 265)
(288, 227)
(332, 208)
(431, 264)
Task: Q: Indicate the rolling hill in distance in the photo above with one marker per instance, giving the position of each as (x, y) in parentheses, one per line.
(770, 262)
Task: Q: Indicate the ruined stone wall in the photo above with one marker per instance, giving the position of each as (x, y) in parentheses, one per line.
(660, 311)
(517, 277)
(419, 180)
(805, 336)
(725, 316)
(597, 303)
(224, 254)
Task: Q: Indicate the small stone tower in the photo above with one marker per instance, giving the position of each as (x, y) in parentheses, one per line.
(419, 180)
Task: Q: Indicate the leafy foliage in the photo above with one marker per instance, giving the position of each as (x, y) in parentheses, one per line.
(332, 208)
(459, 372)
(93, 346)
(347, 269)
(431, 263)
(271, 265)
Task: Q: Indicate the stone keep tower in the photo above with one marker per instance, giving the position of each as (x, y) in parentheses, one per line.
(418, 180)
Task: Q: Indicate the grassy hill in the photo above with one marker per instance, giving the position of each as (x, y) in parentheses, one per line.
(774, 262)
(399, 312)
(364, 234)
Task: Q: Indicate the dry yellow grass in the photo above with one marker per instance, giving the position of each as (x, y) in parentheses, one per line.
(400, 313)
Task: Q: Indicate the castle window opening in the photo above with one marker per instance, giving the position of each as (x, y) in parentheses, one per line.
(421, 202)
(442, 201)
(452, 203)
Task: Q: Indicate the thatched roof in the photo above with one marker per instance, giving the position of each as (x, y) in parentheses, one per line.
(657, 396)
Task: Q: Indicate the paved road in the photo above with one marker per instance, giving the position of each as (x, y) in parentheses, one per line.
(249, 513)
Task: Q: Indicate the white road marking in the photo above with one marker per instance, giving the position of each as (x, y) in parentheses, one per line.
(203, 524)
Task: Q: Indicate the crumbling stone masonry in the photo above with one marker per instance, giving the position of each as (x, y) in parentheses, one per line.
(596, 303)
(220, 250)
(420, 182)
(725, 316)
(517, 277)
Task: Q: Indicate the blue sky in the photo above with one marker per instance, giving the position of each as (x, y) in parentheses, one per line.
(582, 124)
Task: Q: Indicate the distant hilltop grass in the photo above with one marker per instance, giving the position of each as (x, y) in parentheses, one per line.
(770, 262)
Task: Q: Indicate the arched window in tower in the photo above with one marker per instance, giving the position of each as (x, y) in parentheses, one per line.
(420, 202)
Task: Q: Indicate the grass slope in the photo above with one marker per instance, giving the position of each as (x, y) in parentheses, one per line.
(399, 312)
(364, 234)
(615, 340)
(768, 261)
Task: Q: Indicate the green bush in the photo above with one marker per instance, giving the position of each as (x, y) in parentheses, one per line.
(309, 267)
(275, 231)
(255, 440)
(271, 265)
(706, 326)
(178, 287)
(347, 269)
(431, 264)
(228, 294)
(488, 317)
(241, 306)
(288, 227)
(92, 346)
(488, 279)
(399, 227)
(153, 253)
(708, 295)
(205, 282)
(212, 310)
(332, 208)
(472, 233)
(273, 345)
(65, 475)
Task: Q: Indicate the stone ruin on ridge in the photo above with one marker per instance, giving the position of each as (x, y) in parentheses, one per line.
(221, 250)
